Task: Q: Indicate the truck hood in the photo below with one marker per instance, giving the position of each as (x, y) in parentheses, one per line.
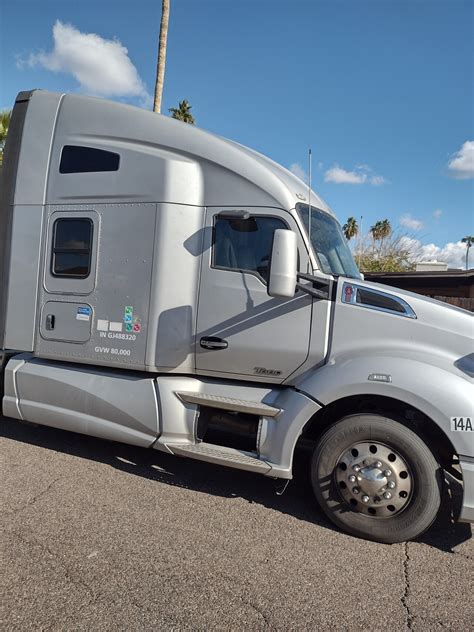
(436, 333)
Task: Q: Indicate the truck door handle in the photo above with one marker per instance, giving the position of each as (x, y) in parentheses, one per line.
(50, 321)
(210, 342)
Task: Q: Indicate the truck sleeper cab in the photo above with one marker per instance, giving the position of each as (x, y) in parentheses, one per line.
(170, 289)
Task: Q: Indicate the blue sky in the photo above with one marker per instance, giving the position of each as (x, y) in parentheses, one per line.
(381, 90)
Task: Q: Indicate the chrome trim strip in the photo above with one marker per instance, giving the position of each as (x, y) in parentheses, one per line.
(228, 403)
(350, 297)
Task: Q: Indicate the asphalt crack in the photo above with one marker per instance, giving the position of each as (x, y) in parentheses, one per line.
(406, 588)
(95, 596)
(33, 500)
(75, 581)
(257, 610)
(244, 597)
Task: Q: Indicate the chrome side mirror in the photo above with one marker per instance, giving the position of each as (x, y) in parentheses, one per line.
(283, 264)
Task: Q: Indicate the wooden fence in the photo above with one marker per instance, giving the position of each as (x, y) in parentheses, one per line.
(465, 303)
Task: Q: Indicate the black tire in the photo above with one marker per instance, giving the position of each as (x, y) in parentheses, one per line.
(421, 507)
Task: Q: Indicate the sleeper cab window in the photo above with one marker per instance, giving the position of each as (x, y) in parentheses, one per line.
(72, 248)
(77, 159)
(245, 244)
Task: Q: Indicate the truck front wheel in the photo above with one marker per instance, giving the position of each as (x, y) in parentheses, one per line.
(376, 479)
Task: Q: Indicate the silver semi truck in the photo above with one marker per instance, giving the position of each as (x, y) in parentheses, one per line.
(171, 289)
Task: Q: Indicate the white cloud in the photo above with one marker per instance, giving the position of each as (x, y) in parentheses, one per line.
(101, 67)
(437, 214)
(411, 222)
(341, 176)
(461, 165)
(361, 174)
(452, 253)
(297, 170)
(377, 180)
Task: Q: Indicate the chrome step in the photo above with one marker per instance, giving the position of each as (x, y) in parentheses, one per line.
(221, 456)
(228, 403)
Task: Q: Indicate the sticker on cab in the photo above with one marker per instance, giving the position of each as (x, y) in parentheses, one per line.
(84, 312)
(462, 424)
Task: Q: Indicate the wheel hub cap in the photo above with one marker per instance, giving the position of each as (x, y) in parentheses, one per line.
(374, 479)
(371, 480)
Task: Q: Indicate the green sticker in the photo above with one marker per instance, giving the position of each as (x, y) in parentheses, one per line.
(129, 309)
(128, 327)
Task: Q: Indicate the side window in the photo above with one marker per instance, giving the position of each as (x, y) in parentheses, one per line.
(72, 248)
(77, 159)
(245, 244)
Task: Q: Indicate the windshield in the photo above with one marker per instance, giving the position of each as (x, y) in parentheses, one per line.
(329, 244)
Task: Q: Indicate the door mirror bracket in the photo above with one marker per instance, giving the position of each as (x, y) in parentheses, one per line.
(316, 288)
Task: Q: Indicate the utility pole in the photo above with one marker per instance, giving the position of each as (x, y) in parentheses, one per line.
(360, 238)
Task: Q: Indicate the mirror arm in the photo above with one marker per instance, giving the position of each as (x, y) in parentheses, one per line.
(312, 289)
(307, 289)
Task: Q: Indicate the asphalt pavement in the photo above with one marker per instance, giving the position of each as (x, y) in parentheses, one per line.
(103, 536)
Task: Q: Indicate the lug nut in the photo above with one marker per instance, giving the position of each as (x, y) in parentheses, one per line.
(387, 472)
(366, 462)
(355, 490)
(352, 478)
(356, 468)
(365, 499)
(378, 464)
(391, 484)
(387, 495)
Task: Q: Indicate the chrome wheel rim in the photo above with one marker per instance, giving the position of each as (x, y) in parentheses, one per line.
(374, 479)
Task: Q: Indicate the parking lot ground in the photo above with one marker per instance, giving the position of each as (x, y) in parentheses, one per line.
(103, 536)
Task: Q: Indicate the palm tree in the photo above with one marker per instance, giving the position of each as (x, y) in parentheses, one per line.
(160, 66)
(384, 231)
(468, 240)
(5, 118)
(350, 228)
(183, 112)
(375, 231)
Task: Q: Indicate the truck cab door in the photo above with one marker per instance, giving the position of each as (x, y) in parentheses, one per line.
(241, 331)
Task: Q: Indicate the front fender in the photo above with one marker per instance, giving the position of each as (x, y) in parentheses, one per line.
(438, 392)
